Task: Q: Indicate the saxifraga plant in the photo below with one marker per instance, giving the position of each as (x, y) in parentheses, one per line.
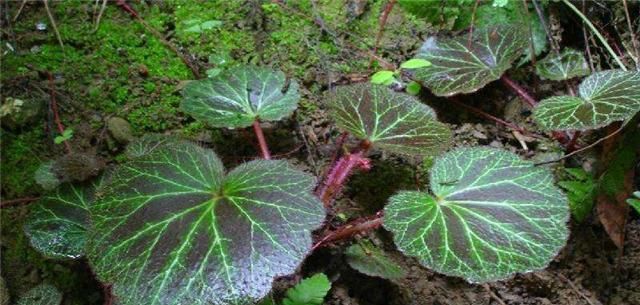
(171, 226)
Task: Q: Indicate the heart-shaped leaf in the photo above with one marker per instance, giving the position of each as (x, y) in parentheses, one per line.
(568, 64)
(171, 228)
(491, 215)
(463, 65)
(604, 97)
(393, 121)
(57, 224)
(237, 97)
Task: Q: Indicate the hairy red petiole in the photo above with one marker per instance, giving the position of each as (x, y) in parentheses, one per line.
(340, 172)
(264, 149)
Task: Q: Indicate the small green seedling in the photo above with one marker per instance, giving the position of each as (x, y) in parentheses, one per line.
(386, 77)
(66, 135)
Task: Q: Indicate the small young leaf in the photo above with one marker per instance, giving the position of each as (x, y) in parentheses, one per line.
(310, 291)
(491, 215)
(415, 63)
(605, 97)
(66, 135)
(459, 65)
(43, 294)
(413, 88)
(170, 227)
(383, 77)
(372, 261)
(57, 223)
(392, 121)
(236, 97)
(569, 64)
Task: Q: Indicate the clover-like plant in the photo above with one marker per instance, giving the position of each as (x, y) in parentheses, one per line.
(568, 64)
(170, 225)
(242, 97)
(58, 222)
(489, 215)
(464, 64)
(604, 97)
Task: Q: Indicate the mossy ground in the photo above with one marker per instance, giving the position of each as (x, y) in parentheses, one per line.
(121, 69)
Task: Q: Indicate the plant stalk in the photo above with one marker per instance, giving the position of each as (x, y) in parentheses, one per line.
(597, 33)
(264, 149)
(350, 229)
(54, 109)
(340, 172)
(519, 91)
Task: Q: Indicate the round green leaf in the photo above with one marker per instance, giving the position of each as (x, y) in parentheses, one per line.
(384, 77)
(569, 64)
(604, 97)
(237, 97)
(393, 121)
(171, 228)
(491, 215)
(415, 63)
(460, 65)
(57, 224)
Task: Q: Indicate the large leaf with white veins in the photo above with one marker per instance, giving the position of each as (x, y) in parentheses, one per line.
(491, 215)
(463, 65)
(171, 228)
(390, 120)
(239, 96)
(57, 223)
(604, 97)
(568, 64)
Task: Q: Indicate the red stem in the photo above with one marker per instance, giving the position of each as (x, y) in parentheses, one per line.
(340, 172)
(383, 21)
(54, 109)
(350, 229)
(261, 141)
(559, 136)
(519, 91)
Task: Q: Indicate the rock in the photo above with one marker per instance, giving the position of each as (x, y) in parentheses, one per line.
(120, 130)
(16, 113)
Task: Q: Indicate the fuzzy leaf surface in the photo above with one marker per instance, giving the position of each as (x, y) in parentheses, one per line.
(569, 64)
(459, 65)
(171, 228)
(392, 121)
(604, 97)
(491, 215)
(57, 224)
(237, 97)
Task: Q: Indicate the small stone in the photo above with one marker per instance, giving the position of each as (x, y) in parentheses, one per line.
(120, 130)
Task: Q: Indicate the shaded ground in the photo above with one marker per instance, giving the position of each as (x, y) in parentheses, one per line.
(123, 70)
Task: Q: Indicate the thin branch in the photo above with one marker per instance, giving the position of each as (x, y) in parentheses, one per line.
(102, 9)
(584, 148)
(53, 23)
(554, 45)
(634, 39)
(597, 33)
(264, 149)
(586, 42)
(15, 18)
(383, 21)
(13, 202)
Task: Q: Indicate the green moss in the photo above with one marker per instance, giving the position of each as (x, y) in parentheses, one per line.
(20, 159)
